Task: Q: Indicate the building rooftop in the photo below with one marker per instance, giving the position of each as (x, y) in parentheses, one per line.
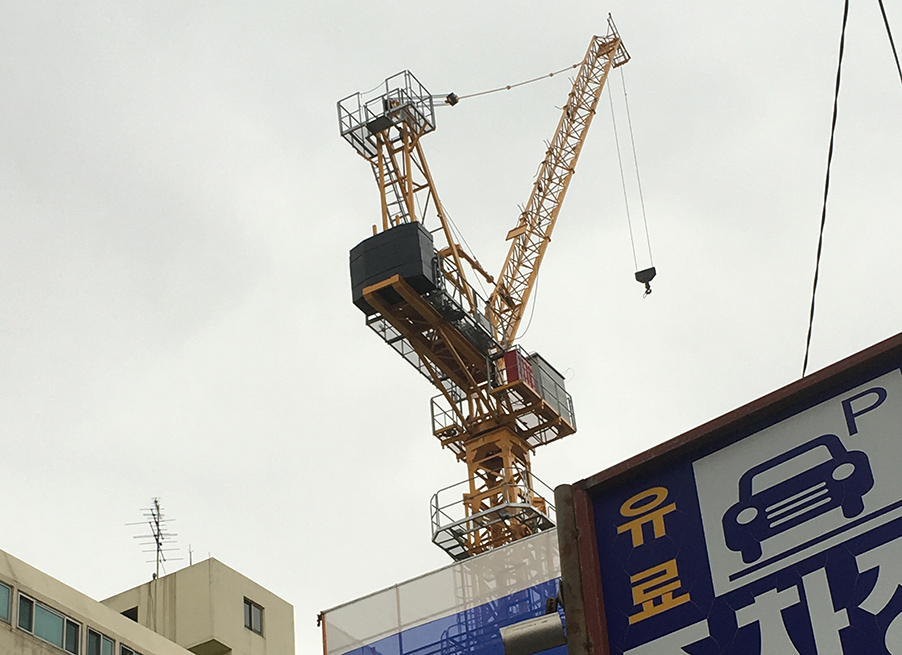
(204, 609)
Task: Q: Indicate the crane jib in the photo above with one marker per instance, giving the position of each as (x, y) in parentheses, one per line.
(533, 233)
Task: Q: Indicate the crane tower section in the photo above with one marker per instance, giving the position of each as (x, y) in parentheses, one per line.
(496, 403)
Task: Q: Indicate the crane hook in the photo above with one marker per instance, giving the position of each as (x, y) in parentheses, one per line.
(645, 276)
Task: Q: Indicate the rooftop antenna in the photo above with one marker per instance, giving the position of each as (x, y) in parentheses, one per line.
(153, 516)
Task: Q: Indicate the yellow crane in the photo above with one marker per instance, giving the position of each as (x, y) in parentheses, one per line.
(496, 403)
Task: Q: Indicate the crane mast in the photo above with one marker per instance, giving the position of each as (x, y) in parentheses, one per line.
(496, 403)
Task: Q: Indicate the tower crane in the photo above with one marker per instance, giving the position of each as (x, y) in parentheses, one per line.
(496, 402)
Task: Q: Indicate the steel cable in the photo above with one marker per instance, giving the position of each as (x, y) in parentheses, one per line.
(629, 121)
(514, 86)
(626, 203)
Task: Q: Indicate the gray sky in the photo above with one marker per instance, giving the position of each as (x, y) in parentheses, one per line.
(176, 210)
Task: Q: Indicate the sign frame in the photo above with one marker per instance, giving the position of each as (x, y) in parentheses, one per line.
(581, 588)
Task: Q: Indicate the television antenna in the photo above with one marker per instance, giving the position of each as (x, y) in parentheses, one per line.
(153, 516)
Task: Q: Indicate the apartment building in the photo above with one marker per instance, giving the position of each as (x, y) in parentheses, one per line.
(204, 609)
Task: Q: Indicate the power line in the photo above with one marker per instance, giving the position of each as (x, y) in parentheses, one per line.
(820, 240)
(892, 43)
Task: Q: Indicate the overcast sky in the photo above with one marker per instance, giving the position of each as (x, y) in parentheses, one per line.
(177, 207)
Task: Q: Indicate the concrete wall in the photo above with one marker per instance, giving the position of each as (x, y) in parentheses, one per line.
(75, 605)
(201, 607)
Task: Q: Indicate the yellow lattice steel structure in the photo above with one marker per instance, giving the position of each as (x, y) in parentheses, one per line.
(497, 403)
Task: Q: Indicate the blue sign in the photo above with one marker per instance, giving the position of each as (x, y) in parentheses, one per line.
(782, 542)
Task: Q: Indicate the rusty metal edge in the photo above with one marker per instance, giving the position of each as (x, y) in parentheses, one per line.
(571, 573)
(593, 594)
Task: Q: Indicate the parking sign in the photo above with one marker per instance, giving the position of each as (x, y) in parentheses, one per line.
(774, 530)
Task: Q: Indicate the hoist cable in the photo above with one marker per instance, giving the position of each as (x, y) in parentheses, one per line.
(460, 236)
(532, 310)
(514, 86)
(820, 240)
(629, 121)
(892, 43)
(626, 203)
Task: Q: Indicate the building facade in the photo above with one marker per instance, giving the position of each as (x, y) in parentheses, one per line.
(204, 609)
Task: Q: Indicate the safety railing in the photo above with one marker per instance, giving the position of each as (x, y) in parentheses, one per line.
(400, 99)
(455, 530)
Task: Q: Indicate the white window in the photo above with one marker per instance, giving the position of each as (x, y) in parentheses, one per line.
(253, 617)
(48, 624)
